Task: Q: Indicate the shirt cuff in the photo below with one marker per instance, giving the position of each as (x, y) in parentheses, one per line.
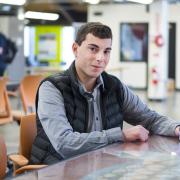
(171, 131)
(114, 135)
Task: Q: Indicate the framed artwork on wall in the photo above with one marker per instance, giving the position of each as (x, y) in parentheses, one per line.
(134, 42)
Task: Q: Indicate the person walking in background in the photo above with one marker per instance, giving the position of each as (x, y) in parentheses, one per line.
(3, 45)
(8, 51)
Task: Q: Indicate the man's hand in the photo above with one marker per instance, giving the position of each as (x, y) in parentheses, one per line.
(136, 133)
(177, 130)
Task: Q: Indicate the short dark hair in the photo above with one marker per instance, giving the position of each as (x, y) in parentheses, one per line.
(96, 28)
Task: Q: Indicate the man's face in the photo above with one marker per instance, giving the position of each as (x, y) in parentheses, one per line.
(92, 56)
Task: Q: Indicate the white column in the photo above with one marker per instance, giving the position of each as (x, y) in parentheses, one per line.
(16, 70)
(158, 51)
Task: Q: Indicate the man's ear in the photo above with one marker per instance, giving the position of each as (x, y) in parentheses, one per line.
(74, 48)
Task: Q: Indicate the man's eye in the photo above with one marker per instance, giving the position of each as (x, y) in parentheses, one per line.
(93, 49)
(106, 52)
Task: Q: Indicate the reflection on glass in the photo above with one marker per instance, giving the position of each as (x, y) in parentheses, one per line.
(134, 41)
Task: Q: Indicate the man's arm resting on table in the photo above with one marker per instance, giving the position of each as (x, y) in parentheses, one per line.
(137, 113)
(140, 133)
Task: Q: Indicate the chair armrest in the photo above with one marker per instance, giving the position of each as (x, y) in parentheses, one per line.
(12, 93)
(20, 160)
(29, 168)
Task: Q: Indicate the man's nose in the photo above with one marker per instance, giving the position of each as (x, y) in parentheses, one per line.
(100, 56)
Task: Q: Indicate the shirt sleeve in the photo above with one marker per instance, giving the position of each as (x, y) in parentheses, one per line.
(137, 113)
(66, 142)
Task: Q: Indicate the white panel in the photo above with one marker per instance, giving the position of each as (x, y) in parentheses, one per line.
(67, 41)
(158, 48)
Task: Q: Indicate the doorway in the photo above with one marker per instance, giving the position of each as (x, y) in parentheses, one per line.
(172, 55)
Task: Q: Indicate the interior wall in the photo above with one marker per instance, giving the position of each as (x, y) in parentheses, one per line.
(4, 25)
(134, 74)
(16, 70)
(14, 29)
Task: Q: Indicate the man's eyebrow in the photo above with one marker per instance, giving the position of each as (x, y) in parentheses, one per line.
(96, 46)
(93, 45)
(109, 49)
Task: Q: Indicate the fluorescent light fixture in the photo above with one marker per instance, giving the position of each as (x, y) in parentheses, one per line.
(142, 1)
(13, 2)
(119, 0)
(41, 15)
(92, 1)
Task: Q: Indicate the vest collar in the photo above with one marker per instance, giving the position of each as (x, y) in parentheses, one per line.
(108, 82)
(73, 76)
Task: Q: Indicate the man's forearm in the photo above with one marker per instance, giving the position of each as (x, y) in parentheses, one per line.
(73, 143)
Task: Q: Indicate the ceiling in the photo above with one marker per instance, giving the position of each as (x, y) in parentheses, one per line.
(69, 10)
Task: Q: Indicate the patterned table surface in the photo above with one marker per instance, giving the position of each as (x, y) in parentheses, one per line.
(157, 159)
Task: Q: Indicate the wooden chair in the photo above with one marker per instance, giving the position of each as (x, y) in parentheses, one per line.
(3, 158)
(28, 89)
(28, 132)
(5, 109)
(9, 92)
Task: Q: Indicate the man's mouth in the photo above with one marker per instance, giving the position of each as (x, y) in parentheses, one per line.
(97, 67)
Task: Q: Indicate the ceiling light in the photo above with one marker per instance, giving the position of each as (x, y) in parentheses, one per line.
(41, 15)
(142, 1)
(13, 2)
(119, 0)
(92, 1)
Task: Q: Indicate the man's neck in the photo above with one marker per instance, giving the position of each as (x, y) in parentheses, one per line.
(89, 84)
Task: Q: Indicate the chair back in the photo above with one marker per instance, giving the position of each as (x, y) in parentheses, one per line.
(3, 158)
(28, 89)
(28, 133)
(5, 109)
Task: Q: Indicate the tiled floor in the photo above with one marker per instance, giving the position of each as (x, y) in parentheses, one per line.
(169, 107)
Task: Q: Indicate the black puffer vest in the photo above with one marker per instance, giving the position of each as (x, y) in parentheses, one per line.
(77, 111)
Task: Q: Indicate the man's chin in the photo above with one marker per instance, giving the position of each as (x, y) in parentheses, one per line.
(95, 75)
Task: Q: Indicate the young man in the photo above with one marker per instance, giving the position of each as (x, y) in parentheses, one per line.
(83, 108)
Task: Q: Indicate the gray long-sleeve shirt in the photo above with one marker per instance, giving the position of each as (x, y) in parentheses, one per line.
(67, 143)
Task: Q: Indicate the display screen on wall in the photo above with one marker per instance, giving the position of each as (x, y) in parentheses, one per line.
(134, 42)
(45, 42)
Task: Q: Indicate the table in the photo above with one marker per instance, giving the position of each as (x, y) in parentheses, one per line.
(158, 158)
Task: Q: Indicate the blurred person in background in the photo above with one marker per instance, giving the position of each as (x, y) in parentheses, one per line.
(8, 51)
(3, 64)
